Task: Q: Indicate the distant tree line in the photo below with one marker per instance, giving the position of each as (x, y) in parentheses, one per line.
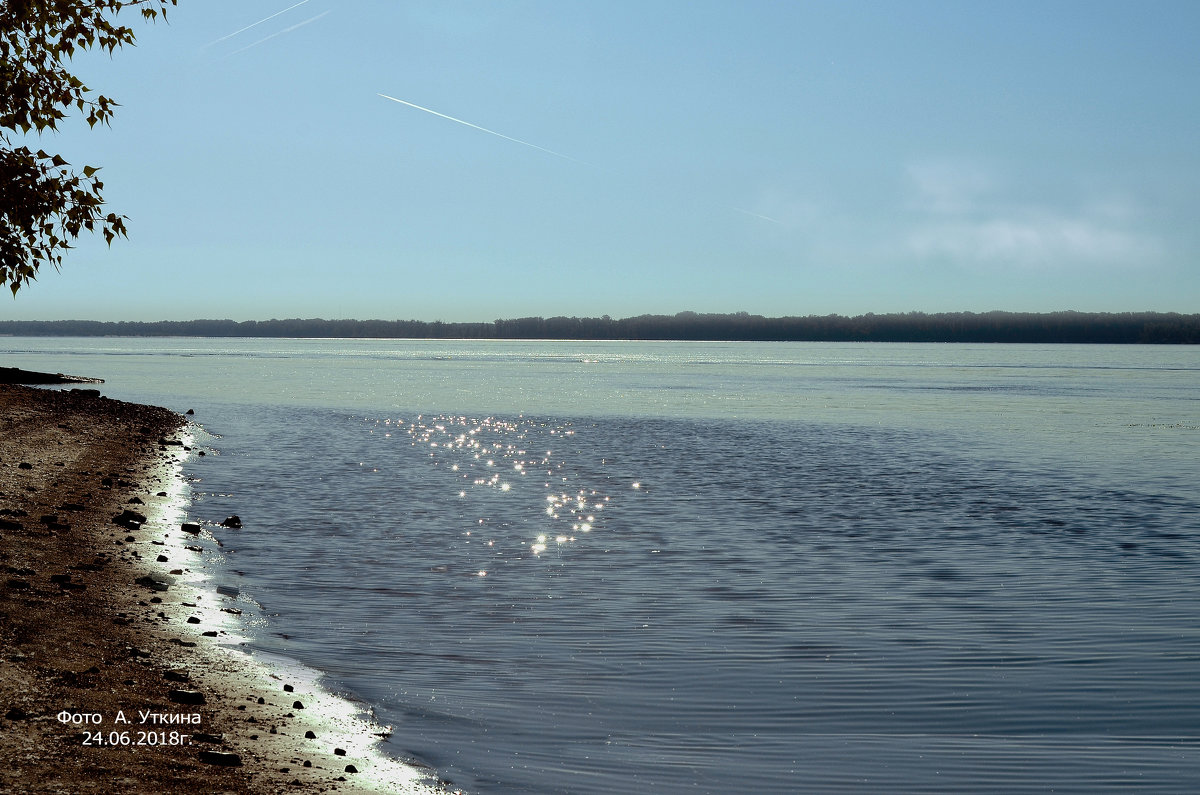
(1051, 327)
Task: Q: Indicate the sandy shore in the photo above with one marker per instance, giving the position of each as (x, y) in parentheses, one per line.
(113, 676)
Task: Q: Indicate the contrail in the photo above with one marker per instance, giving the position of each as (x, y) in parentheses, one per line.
(256, 24)
(280, 33)
(756, 215)
(486, 130)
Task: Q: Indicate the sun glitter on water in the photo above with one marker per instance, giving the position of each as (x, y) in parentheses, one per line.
(473, 452)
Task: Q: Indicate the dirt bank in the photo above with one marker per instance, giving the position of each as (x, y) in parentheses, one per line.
(112, 678)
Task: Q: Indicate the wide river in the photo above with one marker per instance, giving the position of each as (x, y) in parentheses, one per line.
(633, 567)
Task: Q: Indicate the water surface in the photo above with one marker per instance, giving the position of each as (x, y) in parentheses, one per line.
(635, 567)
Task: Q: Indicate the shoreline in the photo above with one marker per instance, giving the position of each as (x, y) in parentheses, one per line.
(119, 669)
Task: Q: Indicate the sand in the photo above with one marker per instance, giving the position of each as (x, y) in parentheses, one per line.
(109, 683)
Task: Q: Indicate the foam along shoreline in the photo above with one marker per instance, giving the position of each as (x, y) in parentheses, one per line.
(116, 669)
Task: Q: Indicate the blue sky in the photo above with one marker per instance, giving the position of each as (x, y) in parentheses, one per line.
(782, 158)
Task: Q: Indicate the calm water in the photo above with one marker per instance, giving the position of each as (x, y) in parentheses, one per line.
(630, 567)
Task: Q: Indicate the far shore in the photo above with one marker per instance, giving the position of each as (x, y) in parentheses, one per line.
(1067, 327)
(119, 671)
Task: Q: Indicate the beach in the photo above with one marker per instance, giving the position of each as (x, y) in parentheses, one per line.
(117, 671)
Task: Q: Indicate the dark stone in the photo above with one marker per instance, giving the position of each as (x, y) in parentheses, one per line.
(130, 520)
(177, 675)
(212, 633)
(162, 558)
(156, 582)
(307, 763)
(351, 769)
(205, 737)
(339, 751)
(297, 705)
(310, 735)
(16, 713)
(18, 584)
(24, 465)
(222, 758)
(190, 411)
(190, 527)
(234, 522)
(7, 524)
(288, 689)
(187, 697)
(193, 620)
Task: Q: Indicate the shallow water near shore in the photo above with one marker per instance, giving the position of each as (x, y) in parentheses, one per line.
(632, 567)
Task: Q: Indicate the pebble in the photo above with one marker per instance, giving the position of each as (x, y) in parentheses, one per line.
(187, 697)
(222, 758)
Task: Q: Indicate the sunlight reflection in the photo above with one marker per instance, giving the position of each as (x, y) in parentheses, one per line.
(469, 448)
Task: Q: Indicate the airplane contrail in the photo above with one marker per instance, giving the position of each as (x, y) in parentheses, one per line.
(255, 24)
(485, 129)
(280, 33)
(542, 148)
(756, 215)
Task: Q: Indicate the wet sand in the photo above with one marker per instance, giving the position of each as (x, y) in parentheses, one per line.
(108, 682)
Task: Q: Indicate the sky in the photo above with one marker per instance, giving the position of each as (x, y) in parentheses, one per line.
(778, 157)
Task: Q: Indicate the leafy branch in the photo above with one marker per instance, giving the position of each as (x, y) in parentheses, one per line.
(44, 203)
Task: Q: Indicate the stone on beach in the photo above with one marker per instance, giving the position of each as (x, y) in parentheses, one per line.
(156, 582)
(187, 697)
(222, 758)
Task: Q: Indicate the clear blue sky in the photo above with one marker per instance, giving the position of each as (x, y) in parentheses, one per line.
(782, 158)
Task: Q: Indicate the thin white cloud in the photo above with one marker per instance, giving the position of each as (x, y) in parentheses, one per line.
(948, 186)
(961, 214)
(1035, 240)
